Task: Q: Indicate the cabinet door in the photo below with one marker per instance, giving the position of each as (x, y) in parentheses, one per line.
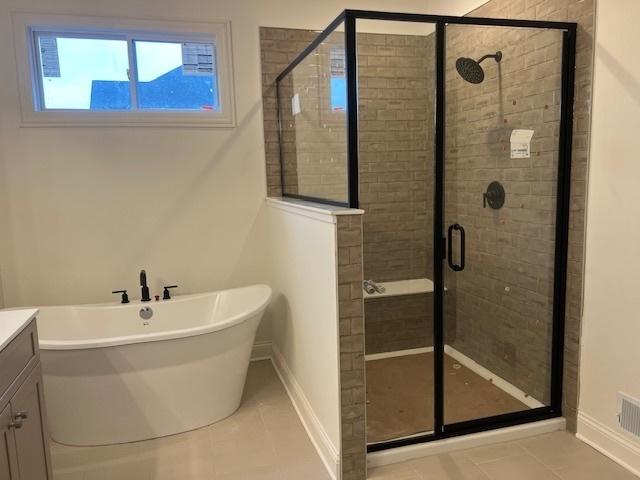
(8, 467)
(32, 442)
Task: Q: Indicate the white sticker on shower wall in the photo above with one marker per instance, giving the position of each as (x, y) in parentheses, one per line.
(521, 143)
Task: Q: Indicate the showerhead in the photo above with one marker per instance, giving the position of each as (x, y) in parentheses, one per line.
(471, 71)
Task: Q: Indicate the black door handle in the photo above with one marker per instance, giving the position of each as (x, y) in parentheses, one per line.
(453, 266)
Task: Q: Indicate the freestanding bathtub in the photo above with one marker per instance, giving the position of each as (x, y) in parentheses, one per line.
(112, 377)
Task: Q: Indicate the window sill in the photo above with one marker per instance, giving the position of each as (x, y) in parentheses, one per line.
(121, 119)
(219, 31)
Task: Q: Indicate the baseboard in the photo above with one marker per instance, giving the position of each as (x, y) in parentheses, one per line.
(499, 382)
(327, 451)
(398, 353)
(411, 452)
(609, 442)
(261, 351)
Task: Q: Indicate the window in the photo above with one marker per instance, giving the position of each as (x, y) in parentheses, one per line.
(154, 73)
(75, 73)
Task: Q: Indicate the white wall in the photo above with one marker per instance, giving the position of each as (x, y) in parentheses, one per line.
(610, 359)
(305, 317)
(4, 222)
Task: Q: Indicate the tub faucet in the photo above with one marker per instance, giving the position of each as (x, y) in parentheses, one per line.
(145, 288)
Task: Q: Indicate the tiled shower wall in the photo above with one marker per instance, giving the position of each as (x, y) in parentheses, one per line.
(396, 162)
(504, 297)
(278, 47)
(527, 79)
(398, 323)
(352, 365)
(396, 155)
(396, 109)
(313, 141)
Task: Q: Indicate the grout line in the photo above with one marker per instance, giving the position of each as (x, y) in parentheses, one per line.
(418, 474)
(545, 466)
(524, 454)
(332, 470)
(557, 469)
(478, 463)
(276, 455)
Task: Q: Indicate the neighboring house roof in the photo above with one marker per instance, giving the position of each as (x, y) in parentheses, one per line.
(171, 90)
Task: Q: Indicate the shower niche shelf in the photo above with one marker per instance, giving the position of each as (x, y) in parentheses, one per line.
(402, 287)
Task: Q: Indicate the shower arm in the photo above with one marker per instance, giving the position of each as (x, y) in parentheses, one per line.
(497, 56)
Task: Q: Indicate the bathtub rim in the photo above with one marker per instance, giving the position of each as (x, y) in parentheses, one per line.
(264, 295)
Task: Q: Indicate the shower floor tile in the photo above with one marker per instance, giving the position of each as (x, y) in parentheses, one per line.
(264, 439)
(400, 396)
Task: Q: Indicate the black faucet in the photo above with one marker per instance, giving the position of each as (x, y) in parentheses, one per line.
(145, 288)
(166, 295)
(125, 297)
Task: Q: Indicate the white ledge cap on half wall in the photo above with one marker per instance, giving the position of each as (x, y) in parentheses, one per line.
(312, 209)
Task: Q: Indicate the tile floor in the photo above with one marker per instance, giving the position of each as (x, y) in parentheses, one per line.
(263, 440)
(554, 456)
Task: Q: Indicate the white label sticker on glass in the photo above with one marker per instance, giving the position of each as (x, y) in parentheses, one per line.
(336, 57)
(521, 143)
(295, 104)
(49, 57)
(198, 59)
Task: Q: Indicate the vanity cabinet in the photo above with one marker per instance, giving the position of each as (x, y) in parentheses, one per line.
(8, 466)
(24, 443)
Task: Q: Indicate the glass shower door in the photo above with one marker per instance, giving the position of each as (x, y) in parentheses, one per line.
(501, 144)
(396, 102)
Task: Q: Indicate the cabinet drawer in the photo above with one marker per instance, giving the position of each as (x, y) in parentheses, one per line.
(22, 351)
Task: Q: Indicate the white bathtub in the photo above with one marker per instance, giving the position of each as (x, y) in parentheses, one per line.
(112, 377)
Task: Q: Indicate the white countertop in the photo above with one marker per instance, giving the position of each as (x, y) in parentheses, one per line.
(12, 322)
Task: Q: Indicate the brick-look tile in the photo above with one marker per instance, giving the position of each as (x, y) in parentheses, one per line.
(529, 73)
(279, 47)
(352, 366)
(396, 160)
(398, 323)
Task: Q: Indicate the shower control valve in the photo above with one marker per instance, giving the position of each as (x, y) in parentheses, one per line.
(494, 196)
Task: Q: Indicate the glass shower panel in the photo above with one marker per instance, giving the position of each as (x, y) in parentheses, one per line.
(396, 106)
(313, 124)
(502, 94)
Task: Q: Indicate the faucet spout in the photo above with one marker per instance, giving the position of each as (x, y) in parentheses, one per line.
(145, 288)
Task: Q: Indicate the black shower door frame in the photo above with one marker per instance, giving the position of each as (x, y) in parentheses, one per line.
(569, 30)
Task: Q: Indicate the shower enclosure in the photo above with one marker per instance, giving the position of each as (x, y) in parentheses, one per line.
(453, 134)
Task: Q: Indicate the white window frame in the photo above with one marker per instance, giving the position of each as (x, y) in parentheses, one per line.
(27, 26)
